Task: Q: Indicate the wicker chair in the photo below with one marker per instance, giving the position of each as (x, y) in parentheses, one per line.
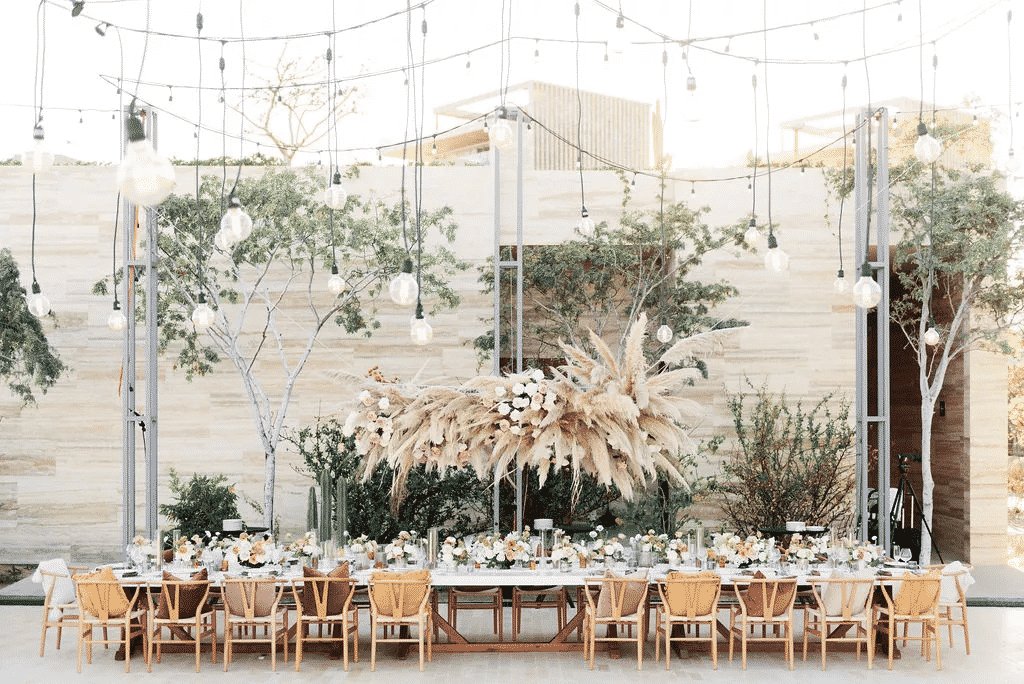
(688, 601)
(60, 605)
(915, 602)
(621, 602)
(400, 600)
(326, 602)
(767, 603)
(251, 604)
(102, 603)
(844, 603)
(183, 609)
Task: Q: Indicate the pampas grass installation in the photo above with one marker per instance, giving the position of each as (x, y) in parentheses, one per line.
(621, 422)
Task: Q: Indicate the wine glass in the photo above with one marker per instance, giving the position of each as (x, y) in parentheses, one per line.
(906, 554)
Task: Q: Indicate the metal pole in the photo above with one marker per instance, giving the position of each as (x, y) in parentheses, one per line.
(883, 352)
(519, 292)
(860, 174)
(496, 353)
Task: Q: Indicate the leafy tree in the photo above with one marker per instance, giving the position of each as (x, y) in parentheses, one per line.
(27, 360)
(203, 504)
(282, 264)
(603, 283)
(789, 464)
(965, 279)
(664, 507)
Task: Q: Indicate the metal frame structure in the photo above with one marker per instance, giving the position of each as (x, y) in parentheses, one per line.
(139, 219)
(864, 200)
(515, 114)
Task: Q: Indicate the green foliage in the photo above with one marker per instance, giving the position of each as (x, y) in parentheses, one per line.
(790, 464)
(27, 361)
(203, 503)
(605, 281)
(456, 501)
(557, 499)
(663, 505)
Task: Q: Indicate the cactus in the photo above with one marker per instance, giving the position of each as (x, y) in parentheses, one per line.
(311, 510)
(326, 489)
(340, 511)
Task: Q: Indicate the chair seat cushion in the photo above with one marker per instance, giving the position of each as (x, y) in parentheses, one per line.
(189, 596)
(94, 596)
(337, 593)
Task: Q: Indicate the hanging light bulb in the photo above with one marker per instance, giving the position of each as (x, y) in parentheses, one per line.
(617, 42)
(927, 149)
(664, 334)
(420, 331)
(335, 195)
(235, 222)
(1012, 163)
(203, 316)
(116, 320)
(224, 240)
(866, 292)
(38, 158)
(585, 225)
(144, 177)
(840, 284)
(336, 284)
(775, 259)
(752, 235)
(931, 335)
(500, 134)
(403, 288)
(38, 304)
(691, 83)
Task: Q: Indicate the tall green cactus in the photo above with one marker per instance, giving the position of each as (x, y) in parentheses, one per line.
(340, 511)
(326, 489)
(311, 508)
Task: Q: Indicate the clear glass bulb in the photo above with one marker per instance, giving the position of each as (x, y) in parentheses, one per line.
(143, 176)
(336, 284)
(38, 158)
(840, 284)
(38, 304)
(752, 234)
(203, 316)
(224, 240)
(500, 134)
(867, 293)
(420, 331)
(236, 223)
(931, 336)
(335, 195)
(116, 320)
(403, 289)
(664, 334)
(776, 260)
(927, 149)
(586, 225)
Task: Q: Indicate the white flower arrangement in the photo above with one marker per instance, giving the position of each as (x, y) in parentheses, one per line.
(453, 552)
(402, 548)
(738, 551)
(677, 550)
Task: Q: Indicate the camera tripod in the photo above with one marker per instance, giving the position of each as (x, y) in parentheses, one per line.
(904, 488)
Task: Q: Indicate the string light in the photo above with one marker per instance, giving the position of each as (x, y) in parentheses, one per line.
(931, 335)
(144, 177)
(38, 158)
(335, 195)
(236, 222)
(203, 316)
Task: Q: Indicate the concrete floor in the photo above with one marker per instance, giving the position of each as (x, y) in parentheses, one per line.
(997, 639)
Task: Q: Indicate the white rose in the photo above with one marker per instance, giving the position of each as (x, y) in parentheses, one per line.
(504, 408)
(365, 398)
(518, 388)
(520, 402)
(384, 404)
(531, 388)
(515, 414)
(499, 391)
(516, 430)
(537, 375)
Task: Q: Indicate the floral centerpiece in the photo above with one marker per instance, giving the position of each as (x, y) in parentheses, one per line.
(729, 548)
(651, 547)
(453, 553)
(140, 551)
(677, 550)
(493, 551)
(250, 552)
(567, 553)
(305, 548)
(363, 545)
(607, 547)
(807, 549)
(402, 549)
(187, 550)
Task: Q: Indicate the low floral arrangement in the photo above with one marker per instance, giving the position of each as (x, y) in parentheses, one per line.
(738, 551)
(402, 549)
(453, 552)
(187, 551)
(605, 546)
(652, 542)
(495, 551)
(140, 550)
(801, 548)
(363, 544)
(677, 550)
(568, 552)
(306, 545)
(250, 552)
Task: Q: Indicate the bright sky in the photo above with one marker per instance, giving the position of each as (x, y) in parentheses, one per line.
(969, 36)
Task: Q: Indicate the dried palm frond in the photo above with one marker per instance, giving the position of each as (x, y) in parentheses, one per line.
(621, 423)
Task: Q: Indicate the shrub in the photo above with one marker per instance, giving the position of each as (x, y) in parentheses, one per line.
(203, 503)
(789, 464)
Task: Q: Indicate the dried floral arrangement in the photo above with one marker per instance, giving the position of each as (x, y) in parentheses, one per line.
(618, 421)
